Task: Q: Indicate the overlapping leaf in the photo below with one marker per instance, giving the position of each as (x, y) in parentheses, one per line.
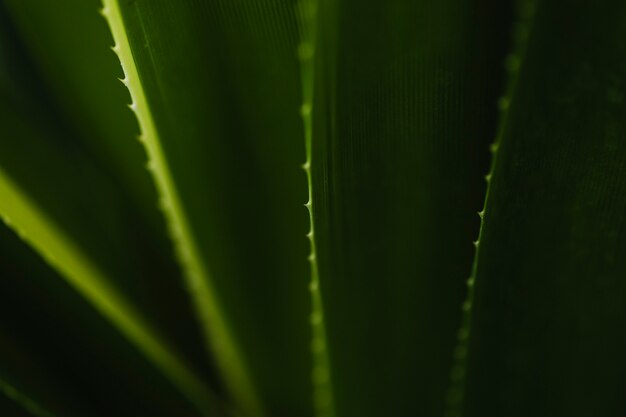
(59, 357)
(398, 100)
(216, 89)
(65, 202)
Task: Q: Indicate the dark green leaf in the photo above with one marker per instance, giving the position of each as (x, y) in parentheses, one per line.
(403, 113)
(547, 333)
(58, 353)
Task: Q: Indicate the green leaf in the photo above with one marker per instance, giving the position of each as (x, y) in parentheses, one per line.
(69, 208)
(57, 351)
(215, 86)
(546, 331)
(403, 112)
(81, 76)
(322, 387)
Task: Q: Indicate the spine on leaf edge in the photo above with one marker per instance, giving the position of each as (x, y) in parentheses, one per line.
(208, 309)
(322, 387)
(455, 397)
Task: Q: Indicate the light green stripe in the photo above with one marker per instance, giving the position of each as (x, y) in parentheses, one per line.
(43, 235)
(207, 307)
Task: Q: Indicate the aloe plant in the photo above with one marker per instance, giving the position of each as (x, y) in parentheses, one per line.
(281, 210)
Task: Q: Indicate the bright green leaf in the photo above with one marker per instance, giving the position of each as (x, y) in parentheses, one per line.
(215, 86)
